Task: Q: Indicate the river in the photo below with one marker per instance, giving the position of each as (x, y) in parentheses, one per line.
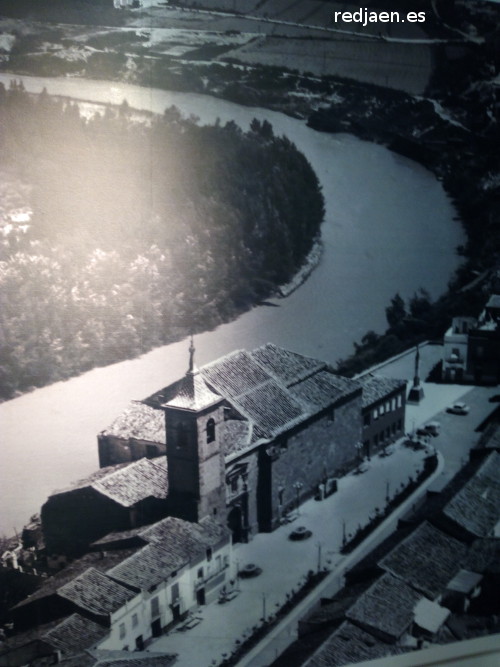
(389, 227)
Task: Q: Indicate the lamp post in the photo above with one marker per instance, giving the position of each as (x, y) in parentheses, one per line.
(297, 486)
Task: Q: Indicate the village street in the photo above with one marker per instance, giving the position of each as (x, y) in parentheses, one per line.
(285, 563)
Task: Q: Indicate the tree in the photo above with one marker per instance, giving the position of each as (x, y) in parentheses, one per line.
(395, 313)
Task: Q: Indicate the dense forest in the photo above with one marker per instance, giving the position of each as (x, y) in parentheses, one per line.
(142, 229)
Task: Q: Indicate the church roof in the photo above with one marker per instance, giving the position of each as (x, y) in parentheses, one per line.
(271, 388)
(139, 421)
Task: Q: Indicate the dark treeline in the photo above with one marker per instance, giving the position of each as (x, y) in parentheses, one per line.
(141, 231)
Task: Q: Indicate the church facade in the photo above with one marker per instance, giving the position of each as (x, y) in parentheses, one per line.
(248, 437)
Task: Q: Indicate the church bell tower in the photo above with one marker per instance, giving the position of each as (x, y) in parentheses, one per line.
(195, 458)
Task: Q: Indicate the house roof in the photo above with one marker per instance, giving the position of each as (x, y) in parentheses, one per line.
(96, 593)
(75, 634)
(139, 421)
(476, 507)
(98, 561)
(376, 388)
(348, 645)
(427, 559)
(484, 556)
(387, 606)
(129, 483)
(128, 659)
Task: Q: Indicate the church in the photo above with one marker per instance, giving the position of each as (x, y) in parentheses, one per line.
(246, 437)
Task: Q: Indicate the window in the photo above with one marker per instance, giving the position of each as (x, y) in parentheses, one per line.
(387, 406)
(200, 573)
(135, 620)
(400, 401)
(375, 413)
(393, 404)
(210, 430)
(155, 607)
(122, 630)
(366, 419)
(175, 592)
(381, 409)
(209, 554)
(234, 484)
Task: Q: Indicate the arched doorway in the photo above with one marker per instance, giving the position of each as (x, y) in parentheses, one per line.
(235, 523)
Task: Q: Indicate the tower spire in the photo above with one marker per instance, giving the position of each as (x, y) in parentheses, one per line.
(191, 356)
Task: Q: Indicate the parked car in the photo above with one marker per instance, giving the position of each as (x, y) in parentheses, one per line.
(432, 428)
(458, 409)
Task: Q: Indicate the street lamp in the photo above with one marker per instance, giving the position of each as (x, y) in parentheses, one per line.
(297, 486)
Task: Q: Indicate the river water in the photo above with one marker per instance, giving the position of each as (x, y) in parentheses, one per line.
(389, 227)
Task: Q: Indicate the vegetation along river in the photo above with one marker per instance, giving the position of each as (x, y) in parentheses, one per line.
(389, 228)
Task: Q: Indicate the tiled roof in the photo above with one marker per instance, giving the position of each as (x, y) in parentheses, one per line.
(348, 645)
(128, 483)
(96, 593)
(98, 561)
(173, 543)
(235, 374)
(148, 567)
(386, 606)
(476, 507)
(190, 393)
(141, 479)
(427, 559)
(323, 389)
(376, 388)
(75, 634)
(484, 556)
(139, 421)
(288, 367)
(126, 659)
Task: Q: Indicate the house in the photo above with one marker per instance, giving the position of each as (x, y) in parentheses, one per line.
(472, 347)
(135, 593)
(455, 346)
(348, 645)
(182, 565)
(113, 498)
(427, 560)
(474, 511)
(249, 436)
(386, 609)
(383, 411)
(91, 593)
